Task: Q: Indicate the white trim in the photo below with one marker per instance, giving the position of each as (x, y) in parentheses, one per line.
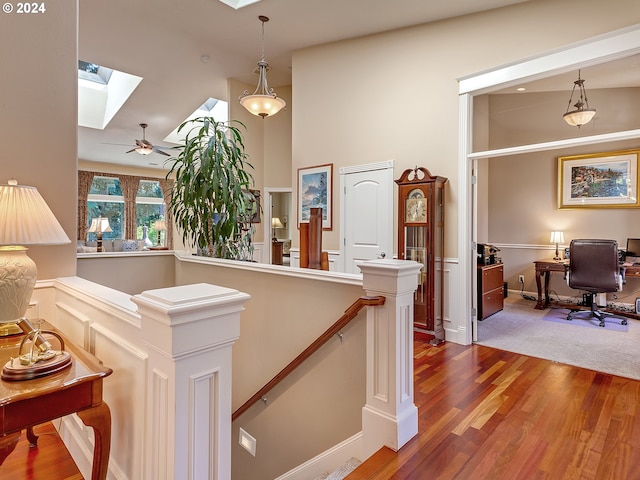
(557, 144)
(328, 460)
(366, 167)
(266, 217)
(616, 44)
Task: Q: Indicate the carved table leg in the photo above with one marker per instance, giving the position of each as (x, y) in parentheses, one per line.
(539, 304)
(99, 418)
(547, 274)
(32, 437)
(8, 444)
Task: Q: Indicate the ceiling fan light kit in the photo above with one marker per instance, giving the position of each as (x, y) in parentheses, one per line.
(264, 101)
(145, 147)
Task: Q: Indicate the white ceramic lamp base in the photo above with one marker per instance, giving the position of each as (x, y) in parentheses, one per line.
(17, 279)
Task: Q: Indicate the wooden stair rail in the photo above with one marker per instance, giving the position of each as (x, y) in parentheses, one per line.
(349, 314)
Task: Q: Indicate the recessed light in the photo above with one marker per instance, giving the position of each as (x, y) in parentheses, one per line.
(520, 89)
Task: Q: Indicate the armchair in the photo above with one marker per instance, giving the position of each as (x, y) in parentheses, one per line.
(594, 268)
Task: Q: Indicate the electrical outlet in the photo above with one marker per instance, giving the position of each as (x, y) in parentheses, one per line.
(521, 278)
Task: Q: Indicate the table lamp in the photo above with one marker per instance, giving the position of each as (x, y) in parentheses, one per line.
(98, 226)
(159, 226)
(25, 219)
(275, 223)
(557, 237)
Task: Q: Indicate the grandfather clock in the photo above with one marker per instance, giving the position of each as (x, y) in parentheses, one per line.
(421, 238)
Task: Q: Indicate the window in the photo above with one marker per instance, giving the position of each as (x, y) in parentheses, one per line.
(149, 208)
(106, 200)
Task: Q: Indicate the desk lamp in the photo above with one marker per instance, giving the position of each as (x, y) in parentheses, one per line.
(275, 223)
(25, 219)
(99, 226)
(557, 237)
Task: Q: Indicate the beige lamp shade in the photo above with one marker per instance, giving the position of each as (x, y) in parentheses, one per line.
(557, 237)
(100, 225)
(276, 223)
(159, 225)
(25, 219)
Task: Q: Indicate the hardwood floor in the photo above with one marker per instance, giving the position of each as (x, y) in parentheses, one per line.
(50, 460)
(490, 414)
(484, 414)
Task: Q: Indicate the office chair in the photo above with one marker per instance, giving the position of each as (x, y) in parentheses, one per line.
(593, 267)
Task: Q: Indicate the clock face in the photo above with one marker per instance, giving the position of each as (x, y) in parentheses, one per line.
(415, 207)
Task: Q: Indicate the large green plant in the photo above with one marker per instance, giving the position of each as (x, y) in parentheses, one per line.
(211, 201)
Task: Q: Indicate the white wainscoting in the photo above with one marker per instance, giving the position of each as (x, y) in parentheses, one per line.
(110, 330)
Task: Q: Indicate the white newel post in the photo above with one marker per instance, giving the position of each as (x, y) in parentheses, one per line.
(189, 330)
(389, 416)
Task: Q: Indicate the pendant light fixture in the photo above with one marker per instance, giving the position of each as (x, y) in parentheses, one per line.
(263, 101)
(581, 115)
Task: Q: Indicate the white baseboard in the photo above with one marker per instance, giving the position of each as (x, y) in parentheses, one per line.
(328, 460)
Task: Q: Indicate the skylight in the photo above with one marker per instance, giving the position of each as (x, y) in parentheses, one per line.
(94, 73)
(218, 109)
(237, 4)
(101, 93)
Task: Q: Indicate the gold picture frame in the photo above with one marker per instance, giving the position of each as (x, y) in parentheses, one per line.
(599, 180)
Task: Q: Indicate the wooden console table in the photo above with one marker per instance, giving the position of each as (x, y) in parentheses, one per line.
(77, 389)
(547, 266)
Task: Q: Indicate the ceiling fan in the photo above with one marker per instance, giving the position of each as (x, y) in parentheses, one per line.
(145, 147)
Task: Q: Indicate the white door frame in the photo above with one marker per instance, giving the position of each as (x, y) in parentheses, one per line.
(266, 215)
(617, 44)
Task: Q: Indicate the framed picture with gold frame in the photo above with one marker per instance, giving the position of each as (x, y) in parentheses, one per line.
(599, 180)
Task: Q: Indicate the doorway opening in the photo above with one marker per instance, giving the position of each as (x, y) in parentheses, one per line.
(278, 215)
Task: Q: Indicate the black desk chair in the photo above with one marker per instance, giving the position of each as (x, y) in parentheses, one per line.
(594, 267)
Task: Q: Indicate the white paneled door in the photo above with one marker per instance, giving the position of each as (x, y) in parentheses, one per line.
(367, 213)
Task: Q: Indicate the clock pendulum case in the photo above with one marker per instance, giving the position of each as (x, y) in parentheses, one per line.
(421, 239)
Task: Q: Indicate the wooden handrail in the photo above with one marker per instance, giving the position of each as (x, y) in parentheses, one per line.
(349, 315)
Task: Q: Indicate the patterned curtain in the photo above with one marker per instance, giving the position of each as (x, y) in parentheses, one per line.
(129, 185)
(166, 185)
(84, 185)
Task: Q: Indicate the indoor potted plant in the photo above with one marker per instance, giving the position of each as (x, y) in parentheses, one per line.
(211, 202)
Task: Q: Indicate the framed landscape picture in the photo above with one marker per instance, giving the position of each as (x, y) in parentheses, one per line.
(599, 180)
(315, 190)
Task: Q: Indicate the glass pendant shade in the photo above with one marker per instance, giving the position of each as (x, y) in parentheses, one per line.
(578, 118)
(144, 150)
(264, 101)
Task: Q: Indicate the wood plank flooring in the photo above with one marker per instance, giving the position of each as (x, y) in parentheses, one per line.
(489, 414)
(50, 460)
(483, 414)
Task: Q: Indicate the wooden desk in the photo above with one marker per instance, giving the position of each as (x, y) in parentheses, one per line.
(547, 266)
(77, 389)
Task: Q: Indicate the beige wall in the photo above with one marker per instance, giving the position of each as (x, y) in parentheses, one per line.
(395, 95)
(267, 142)
(129, 273)
(38, 118)
(320, 404)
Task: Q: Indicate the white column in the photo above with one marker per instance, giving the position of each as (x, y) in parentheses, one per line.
(389, 416)
(189, 331)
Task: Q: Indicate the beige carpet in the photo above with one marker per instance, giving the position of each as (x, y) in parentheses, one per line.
(520, 328)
